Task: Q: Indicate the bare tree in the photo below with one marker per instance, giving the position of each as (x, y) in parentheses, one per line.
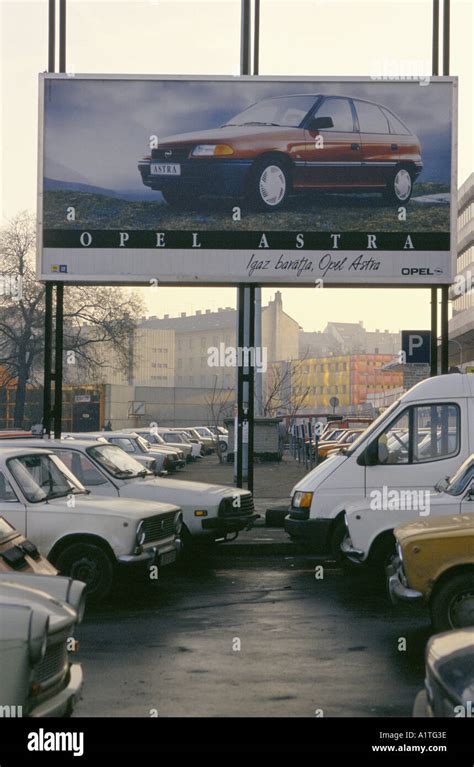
(284, 392)
(94, 317)
(219, 403)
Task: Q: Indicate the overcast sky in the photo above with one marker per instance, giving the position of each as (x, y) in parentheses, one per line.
(314, 37)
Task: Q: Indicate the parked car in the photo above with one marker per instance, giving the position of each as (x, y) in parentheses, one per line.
(435, 562)
(347, 437)
(155, 459)
(222, 437)
(84, 536)
(449, 676)
(169, 440)
(271, 150)
(38, 616)
(17, 554)
(206, 437)
(369, 535)
(210, 512)
(442, 404)
(194, 443)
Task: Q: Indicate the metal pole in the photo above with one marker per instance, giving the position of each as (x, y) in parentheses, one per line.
(434, 333)
(58, 360)
(48, 297)
(51, 34)
(435, 42)
(251, 387)
(444, 330)
(48, 351)
(444, 288)
(62, 35)
(240, 385)
(446, 35)
(256, 38)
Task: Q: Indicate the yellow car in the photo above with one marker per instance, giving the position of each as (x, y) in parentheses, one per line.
(435, 562)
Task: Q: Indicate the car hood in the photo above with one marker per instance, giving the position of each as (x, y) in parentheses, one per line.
(13, 595)
(319, 473)
(179, 491)
(95, 504)
(221, 135)
(450, 658)
(450, 524)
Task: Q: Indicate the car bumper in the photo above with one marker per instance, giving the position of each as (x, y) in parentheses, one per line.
(396, 588)
(201, 176)
(354, 555)
(222, 525)
(161, 555)
(63, 703)
(312, 531)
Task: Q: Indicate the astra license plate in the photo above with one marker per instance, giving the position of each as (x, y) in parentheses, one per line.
(165, 169)
(168, 558)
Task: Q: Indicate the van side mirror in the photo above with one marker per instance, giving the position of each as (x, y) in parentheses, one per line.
(441, 485)
(370, 456)
(320, 123)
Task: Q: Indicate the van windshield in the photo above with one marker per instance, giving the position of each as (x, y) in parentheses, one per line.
(370, 429)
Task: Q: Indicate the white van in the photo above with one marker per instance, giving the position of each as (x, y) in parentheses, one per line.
(422, 437)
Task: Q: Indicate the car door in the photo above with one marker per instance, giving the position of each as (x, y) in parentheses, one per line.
(333, 155)
(11, 505)
(380, 149)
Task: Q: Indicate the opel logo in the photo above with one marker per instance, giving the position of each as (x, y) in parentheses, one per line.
(168, 154)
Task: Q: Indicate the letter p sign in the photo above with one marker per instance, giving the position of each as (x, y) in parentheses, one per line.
(416, 346)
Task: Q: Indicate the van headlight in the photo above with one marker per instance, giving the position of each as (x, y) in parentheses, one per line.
(140, 535)
(302, 500)
(178, 522)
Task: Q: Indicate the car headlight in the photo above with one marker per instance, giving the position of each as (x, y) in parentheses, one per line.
(140, 535)
(38, 639)
(302, 500)
(178, 522)
(212, 150)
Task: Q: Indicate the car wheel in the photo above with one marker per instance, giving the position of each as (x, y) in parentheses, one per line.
(452, 603)
(399, 186)
(88, 563)
(223, 447)
(269, 185)
(339, 532)
(381, 553)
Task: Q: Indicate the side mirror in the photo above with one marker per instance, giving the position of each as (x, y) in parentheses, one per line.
(370, 456)
(320, 123)
(442, 484)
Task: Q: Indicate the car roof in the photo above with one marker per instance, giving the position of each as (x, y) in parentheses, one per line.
(15, 451)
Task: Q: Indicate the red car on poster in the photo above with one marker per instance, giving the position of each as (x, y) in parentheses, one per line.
(289, 144)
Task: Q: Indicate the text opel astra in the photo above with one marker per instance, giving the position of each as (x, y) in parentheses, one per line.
(288, 144)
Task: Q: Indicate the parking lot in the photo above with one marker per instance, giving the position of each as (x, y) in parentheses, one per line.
(252, 634)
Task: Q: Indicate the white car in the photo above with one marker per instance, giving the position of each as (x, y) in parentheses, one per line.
(84, 536)
(157, 459)
(38, 616)
(162, 439)
(210, 512)
(369, 536)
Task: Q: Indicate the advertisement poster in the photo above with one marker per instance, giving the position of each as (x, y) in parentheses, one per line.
(276, 181)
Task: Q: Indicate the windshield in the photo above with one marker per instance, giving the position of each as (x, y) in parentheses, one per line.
(462, 478)
(288, 111)
(117, 462)
(371, 429)
(41, 477)
(172, 437)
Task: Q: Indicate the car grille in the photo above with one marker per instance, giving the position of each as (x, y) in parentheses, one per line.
(55, 662)
(159, 527)
(227, 509)
(178, 154)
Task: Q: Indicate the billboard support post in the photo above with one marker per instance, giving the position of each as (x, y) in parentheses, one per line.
(243, 460)
(48, 351)
(58, 360)
(434, 333)
(444, 288)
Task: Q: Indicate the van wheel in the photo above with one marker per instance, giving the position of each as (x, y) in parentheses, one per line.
(269, 185)
(399, 186)
(339, 532)
(381, 553)
(88, 563)
(452, 604)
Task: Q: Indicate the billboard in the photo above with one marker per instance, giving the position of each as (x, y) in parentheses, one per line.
(226, 180)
